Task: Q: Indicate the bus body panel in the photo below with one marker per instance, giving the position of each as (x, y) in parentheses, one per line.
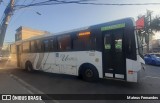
(132, 69)
(69, 61)
(63, 62)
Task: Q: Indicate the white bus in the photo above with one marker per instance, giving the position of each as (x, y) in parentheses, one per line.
(108, 50)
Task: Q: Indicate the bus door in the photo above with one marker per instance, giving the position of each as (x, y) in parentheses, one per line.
(114, 54)
(18, 55)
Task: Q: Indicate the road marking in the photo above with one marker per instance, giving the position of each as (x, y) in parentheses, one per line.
(151, 77)
(29, 88)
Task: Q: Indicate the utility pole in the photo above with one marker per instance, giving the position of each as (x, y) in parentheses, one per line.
(5, 20)
(147, 28)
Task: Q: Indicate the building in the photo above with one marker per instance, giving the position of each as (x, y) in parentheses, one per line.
(5, 49)
(155, 45)
(25, 33)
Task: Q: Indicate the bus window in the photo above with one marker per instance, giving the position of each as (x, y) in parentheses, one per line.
(107, 42)
(38, 46)
(64, 43)
(26, 47)
(118, 42)
(130, 46)
(32, 46)
(46, 45)
(83, 42)
(53, 44)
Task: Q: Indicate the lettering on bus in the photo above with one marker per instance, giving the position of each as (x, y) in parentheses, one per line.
(111, 27)
(84, 33)
(67, 58)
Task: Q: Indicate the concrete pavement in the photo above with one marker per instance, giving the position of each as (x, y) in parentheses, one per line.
(8, 85)
(51, 83)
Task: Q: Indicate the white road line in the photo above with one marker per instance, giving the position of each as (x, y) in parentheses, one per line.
(151, 77)
(25, 85)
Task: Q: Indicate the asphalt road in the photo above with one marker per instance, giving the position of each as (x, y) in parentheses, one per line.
(49, 83)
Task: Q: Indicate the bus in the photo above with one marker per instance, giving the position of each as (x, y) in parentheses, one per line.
(111, 50)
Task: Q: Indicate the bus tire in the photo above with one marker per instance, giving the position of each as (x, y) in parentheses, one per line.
(29, 67)
(89, 73)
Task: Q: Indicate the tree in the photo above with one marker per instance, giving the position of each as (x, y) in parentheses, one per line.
(151, 25)
(155, 24)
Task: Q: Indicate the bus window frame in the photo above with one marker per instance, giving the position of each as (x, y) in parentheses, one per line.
(62, 38)
(29, 50)
(53, 48)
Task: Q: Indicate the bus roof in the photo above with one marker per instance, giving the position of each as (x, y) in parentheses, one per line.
(124, 20)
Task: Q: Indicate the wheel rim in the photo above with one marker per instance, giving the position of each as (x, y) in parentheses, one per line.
(89, 73)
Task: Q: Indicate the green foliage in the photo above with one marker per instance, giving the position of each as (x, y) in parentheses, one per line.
(155, 24)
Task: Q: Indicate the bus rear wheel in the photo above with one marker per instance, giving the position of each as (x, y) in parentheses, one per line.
(29, 67)
(90, 74)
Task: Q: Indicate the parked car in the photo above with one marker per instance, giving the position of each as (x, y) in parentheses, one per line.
(152, 59)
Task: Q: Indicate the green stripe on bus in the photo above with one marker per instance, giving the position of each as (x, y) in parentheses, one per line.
(111, 27)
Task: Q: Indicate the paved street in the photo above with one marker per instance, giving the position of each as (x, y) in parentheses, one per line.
(40, 82)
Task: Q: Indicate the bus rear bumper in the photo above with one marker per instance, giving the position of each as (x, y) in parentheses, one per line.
(141, 73)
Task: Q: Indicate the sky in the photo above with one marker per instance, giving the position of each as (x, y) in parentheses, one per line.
(58, 18)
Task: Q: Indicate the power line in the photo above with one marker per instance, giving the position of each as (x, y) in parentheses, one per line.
(50, 2)
(21, 13)
(85, 2)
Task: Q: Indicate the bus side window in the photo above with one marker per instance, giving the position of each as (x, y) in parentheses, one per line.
(84, 42)
(64, 43)
(130, 47)
(26, 47)
(38, 46)
(46, 45)
(32, 46)
(53, 44)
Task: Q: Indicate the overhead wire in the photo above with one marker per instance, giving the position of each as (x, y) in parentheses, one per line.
(85, 2)
(50, 2)
(82, 2)
(20, 14)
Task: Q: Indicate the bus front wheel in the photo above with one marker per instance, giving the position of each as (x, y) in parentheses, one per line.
(90, 73)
